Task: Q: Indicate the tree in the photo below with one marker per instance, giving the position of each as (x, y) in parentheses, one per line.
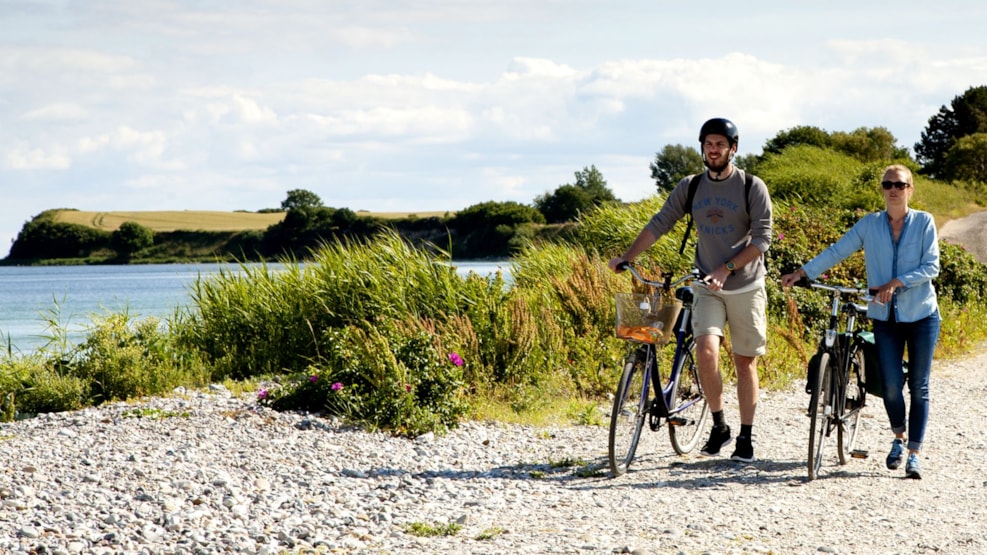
(673, 163)
(564, 204)
(130, 238)
(43, 237)
(875, 144)
(300, 198)
(492, 213)
(486, 229)
(966, 115)
(748, 162)
(967, 159)
(591, 181)
(569, 200)
(798, 135)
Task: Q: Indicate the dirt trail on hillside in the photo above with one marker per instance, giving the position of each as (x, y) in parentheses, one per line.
(971, 232)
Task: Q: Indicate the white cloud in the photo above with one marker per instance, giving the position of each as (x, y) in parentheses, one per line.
(250, 112)
(62, 111)
(26, 158)
(366, 37)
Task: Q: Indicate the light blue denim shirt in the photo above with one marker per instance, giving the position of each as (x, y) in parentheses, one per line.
(914, 260)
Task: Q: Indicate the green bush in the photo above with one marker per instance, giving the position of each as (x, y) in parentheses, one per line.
(822, 177)
(383, 378)
(962, 278)
(120, 358)
(38, 388)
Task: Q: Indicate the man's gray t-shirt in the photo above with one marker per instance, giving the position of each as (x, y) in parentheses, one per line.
(722, 225)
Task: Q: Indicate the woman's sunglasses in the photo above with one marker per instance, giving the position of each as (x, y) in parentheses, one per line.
(900, 185)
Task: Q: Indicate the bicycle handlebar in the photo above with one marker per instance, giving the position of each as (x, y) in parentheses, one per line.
(866, 295)
(667, 277)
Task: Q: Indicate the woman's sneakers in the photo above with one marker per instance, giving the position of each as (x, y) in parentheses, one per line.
(912, 468)
(896, 455)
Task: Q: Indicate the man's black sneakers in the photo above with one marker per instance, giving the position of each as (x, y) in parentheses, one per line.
(719, 437)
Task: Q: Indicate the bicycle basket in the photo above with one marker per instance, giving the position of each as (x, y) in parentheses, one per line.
(646, 318)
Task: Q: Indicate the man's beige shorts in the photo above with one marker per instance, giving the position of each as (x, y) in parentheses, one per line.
(746, 313)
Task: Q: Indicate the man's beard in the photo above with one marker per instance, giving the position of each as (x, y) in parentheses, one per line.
(718, 169)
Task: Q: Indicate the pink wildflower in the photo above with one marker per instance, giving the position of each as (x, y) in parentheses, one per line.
(336, 386)
(455, 359)
(262, 393)
(313, 378)
(407, 387)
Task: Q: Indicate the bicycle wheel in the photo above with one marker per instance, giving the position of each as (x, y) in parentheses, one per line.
(688, 404)
(820, 412)
(629, 411)
(846, 436)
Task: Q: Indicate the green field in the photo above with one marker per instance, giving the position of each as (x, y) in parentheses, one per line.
(197, 220)
(173, 220)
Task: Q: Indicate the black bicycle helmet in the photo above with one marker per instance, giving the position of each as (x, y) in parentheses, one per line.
(720, 126)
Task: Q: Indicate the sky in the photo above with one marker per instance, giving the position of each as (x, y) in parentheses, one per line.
(436, 105)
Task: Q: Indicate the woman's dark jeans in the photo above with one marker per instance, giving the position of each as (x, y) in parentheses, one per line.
(920, 338)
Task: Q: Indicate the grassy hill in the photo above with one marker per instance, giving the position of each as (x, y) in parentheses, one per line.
(173, 220)
(197, 220)
(70, 236)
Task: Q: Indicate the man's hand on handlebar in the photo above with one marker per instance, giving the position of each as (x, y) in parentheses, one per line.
(618, 264)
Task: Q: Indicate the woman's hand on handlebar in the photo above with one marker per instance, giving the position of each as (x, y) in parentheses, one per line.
(884, 293)
(791, 279)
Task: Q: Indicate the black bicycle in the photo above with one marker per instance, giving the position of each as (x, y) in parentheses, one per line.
(650, 321)
(837, 374)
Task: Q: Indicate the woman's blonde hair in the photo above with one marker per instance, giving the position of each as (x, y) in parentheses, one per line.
(901, 169)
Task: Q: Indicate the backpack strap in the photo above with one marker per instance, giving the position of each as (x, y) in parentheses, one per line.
(748, 183)
(693, 185)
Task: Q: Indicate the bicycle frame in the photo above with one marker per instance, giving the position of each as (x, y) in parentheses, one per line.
(682, 336)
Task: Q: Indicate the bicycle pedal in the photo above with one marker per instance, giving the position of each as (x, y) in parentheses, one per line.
(677, 421)
(859, 453)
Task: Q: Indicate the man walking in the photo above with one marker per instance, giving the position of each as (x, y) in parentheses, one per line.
(732, 213)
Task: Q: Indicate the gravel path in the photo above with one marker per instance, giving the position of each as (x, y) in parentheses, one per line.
(971, 232)
(210, 473)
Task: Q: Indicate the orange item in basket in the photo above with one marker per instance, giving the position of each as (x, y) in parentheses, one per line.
(644, 334)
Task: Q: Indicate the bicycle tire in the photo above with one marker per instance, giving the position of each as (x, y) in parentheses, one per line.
(630, 410)
(685, 426)
(846, 436)
(820, 412)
